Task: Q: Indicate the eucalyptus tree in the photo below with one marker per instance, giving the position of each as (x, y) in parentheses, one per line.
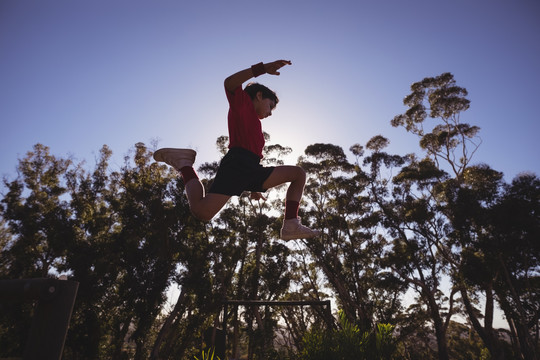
(445, 199)
(449, 143)
(348, 250)
(148, 238)
(513, 249)
(37, 215)
(416, 229)
(35, 229)
(496, 226)
(92, 258)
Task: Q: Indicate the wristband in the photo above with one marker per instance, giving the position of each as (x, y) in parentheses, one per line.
(258, 69)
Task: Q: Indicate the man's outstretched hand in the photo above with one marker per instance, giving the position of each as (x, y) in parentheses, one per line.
(273, 67)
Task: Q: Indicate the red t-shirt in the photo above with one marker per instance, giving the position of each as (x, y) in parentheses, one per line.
(245, 129)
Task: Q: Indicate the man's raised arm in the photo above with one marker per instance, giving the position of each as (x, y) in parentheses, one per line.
(237, 79)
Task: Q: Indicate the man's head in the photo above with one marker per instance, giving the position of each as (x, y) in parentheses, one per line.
(264, 99)
(253, 88)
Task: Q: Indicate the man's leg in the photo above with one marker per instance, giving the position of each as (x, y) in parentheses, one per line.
(283, 174)
(203, 207)
(292, 228)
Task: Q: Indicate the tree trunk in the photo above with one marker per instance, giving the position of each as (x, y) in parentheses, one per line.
(154, 355)
(118, 340)
(440, 329)
(486, 333)
(526, 344)
(236, 334)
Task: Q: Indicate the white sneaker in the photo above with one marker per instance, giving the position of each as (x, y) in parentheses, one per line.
(177, 158)
(293, 229)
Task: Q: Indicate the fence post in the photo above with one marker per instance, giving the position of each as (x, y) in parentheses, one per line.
(51, 316)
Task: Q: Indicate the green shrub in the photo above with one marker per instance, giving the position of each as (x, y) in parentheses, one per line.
(208, 355)
(348, 342)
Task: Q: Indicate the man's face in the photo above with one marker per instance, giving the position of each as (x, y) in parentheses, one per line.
(263, 107)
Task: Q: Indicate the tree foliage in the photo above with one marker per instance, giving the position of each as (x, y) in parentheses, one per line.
(410, 244)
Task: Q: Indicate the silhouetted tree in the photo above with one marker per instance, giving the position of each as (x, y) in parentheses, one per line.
(35, 232)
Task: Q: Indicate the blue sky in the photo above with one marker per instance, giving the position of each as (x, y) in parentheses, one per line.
(75, 75)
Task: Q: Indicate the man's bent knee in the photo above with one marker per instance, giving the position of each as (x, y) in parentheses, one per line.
(207, 208)
(299, 175)
(302, 173)
(202, 214)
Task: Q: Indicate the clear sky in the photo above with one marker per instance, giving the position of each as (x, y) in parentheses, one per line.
(77, 74)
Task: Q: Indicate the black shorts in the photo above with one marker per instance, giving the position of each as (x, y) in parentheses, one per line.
(240, 170)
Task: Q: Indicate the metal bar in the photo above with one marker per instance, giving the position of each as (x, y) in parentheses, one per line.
(277, 302)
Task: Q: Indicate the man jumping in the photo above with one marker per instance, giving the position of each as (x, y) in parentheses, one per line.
(240, 169)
